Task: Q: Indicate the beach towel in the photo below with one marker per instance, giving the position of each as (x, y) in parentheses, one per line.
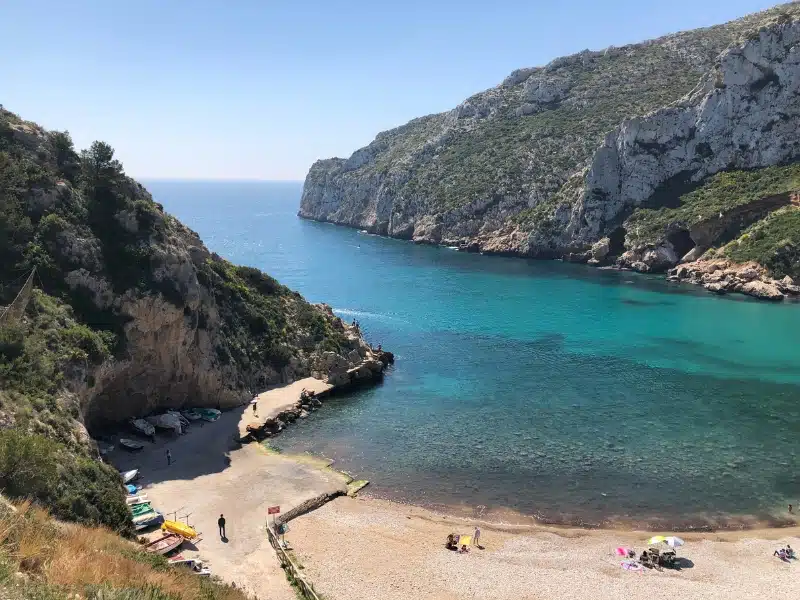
(631, 565)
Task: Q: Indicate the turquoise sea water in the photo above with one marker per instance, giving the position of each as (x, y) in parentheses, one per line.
(571, 393)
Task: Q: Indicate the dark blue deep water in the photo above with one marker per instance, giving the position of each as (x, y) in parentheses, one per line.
(571, 393)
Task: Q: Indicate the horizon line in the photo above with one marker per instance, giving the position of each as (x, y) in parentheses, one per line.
(216, 180)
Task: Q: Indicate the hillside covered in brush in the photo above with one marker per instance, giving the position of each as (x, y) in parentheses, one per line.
(126, 313)
(601, 156)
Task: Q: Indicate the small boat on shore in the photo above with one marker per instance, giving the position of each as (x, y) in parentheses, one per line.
(169, 421)
(143, 427)
(165, 544)
(208, 414)
(180, 528)
(149, 520)
(191, 414)
(130, 445)
(194, 564)
(141, 508)
(131, 500)
(132, 489)
(128, 476)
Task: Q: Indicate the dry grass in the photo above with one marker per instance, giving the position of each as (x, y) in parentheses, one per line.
(71, 559)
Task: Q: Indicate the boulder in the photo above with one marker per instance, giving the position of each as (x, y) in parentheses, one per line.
(660, 258)
(600, 249)
(763, 290)
(748, 273)
(717, 288)
(375, 366)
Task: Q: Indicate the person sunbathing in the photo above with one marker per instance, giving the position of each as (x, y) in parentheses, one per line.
(464, 549)
(789, 552)
(780, 554)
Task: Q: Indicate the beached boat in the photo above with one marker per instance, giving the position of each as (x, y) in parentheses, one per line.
(179, 528)
(165, 544)
(191, 414)
(128, 476)
(208, 414)
(155, 520)
(184, 421)
(141, 508)
(166, 421)
(132, 489)
(143, 427)
(129, 444)
(130, 500)
(194, 564)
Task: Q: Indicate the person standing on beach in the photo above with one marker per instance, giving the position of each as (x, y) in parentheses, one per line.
(169, 457)
(221, 523)
(476, 537)
(255, 407)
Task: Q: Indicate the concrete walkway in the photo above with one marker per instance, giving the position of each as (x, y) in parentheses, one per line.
(211, 475)
(273, 402)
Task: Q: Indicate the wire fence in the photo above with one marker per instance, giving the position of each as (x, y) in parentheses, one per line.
(14, 311)
(293, 573)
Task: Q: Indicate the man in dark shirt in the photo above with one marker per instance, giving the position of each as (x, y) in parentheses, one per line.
(221, 523)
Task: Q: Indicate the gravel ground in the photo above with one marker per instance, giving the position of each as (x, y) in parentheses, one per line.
(208, 477)
(366, 548)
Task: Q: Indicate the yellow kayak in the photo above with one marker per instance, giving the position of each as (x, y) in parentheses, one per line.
(179, 528)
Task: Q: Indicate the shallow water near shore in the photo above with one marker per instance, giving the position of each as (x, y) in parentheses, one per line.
(562, 391)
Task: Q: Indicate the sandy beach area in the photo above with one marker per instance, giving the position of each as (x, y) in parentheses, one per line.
(363, 548)
(210, 475)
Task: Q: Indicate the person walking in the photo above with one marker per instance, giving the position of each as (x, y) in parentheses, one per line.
(255, 407)
(221, 523)
(476, 537)
(169, 457)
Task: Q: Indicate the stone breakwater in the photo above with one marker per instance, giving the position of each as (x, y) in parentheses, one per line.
(284, 405)
(723, 276)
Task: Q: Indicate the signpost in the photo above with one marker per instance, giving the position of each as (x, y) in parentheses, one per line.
(274, 510)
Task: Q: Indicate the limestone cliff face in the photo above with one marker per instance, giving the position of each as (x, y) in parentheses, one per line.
(175, 353)
(743, 115)
(555, 159)
(134, 314)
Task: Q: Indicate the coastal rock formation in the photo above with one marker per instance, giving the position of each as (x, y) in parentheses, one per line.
(723, 276)
(590, 147)
(134, 313)
(743, 115)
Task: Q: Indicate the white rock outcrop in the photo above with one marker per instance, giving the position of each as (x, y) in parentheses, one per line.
(743, 115)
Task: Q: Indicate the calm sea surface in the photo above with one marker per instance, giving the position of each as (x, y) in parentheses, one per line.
(562, 391)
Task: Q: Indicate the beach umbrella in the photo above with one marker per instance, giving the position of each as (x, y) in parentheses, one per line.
(673, 542)
(657, 539)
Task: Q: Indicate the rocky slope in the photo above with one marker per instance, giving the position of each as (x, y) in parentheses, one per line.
(556, 160)
(128, 313)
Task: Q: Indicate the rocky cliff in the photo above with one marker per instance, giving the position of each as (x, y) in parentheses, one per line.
(130, 312)
(558, 159)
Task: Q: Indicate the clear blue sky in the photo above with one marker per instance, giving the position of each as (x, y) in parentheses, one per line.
(249, 89)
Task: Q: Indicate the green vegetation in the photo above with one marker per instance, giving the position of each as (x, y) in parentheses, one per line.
(503, 144)
(720, 194)
(773, 243)
(77, 488)
(42, 560)
(262, 321)
(94, 235)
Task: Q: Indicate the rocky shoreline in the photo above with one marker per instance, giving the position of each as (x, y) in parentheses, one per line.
(722, 276)
(363, 365)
